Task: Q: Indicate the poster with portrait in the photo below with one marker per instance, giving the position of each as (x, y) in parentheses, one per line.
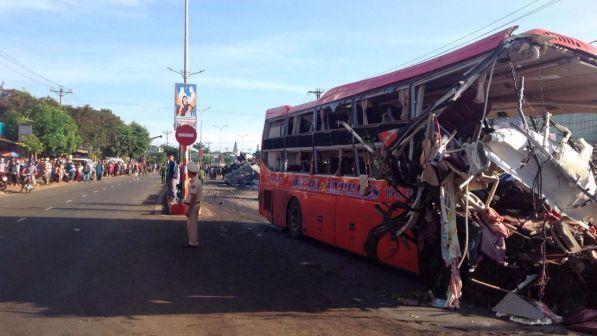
(185, 104)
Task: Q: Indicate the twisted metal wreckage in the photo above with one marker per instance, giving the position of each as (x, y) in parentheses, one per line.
(503, 193)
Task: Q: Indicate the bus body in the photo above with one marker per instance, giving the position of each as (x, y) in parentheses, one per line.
(311, 162)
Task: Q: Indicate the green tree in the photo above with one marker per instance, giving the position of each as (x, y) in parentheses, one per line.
(56, 130)
(207, 153)
(96, 128)
(123, 141)
(170, 150)
(33, 144)
(12, 120)
(15, 101)
(140, 140)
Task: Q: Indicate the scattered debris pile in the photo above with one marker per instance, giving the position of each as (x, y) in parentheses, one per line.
(245, 175)
(502, 196)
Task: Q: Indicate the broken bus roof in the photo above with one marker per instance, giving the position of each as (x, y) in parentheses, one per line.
(467, 52)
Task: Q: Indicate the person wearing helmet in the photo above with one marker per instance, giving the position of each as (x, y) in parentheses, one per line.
(193, 202)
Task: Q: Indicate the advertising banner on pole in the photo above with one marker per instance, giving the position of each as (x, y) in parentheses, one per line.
(185, 104)
(24, 131)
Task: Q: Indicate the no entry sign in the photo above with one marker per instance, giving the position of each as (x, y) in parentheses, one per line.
(186, 135)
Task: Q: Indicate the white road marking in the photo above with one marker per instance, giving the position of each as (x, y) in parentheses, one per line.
(76, 230)
(49, 208)
(103, 188)
(83, 195)
(69, 201)
(21, 219)
(95, 191)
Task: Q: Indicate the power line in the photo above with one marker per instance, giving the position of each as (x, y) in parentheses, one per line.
(533, 11)
(24, 75)
(552, 2)
(26, 68)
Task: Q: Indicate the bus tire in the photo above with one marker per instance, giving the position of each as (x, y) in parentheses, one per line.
(294, 220)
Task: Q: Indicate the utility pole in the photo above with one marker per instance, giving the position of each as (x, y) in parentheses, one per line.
(317, 92)
(221, 128)
(61, 92)
(208, 143)
(201, 132)
(167, 133)
(242, 138)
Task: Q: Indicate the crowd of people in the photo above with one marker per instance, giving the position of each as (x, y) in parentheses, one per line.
(216, 172)
(57, 170)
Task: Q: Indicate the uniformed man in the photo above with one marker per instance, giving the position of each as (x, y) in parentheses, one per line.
(193, 202)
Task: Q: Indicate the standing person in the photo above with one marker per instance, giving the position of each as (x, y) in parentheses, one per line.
(171, 177)
(15, 170)
(70, 170)
(48, 170)
(87, 172)
(163, 167)
(193, 202)
(79, 172)
(32, 170)
(3, 167)
(135, 170)
(99, 170)
(59, 171)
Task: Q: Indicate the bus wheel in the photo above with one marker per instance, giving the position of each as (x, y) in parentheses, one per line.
(294, 220)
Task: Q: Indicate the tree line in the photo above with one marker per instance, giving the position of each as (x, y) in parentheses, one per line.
(62, 130)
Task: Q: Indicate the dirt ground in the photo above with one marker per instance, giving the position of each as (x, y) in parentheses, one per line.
(311, 288)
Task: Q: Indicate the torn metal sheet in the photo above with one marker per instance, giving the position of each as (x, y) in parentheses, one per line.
(510, 149)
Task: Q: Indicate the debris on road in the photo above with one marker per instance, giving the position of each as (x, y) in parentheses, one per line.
(245, 175)
(501, 191)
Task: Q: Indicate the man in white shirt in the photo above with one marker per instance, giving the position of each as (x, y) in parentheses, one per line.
(193, 202)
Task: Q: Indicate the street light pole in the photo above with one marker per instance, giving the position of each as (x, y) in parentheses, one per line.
(167, 133)
(183, 150)
(221, 128)
(201, 133)
(242, 138)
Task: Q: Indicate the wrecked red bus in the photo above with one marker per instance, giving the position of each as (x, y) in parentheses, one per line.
(401, 166)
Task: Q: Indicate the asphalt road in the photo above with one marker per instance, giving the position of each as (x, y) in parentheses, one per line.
(97, 259)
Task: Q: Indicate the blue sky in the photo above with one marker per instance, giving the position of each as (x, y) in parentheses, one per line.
(257, 54)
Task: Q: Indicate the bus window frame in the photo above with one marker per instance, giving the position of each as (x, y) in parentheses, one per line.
(297, 116)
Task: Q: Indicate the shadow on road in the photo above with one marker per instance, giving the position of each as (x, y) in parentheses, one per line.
(110, 267)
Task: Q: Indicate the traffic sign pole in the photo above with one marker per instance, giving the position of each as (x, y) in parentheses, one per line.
(186, 136)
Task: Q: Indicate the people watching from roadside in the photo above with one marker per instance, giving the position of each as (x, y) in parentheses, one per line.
(99, 170)
(46, 170)
(15, 171)
(86, 172)
(171, 177)
(3, 167)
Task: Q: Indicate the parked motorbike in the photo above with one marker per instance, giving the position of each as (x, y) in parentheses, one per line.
(3, 182)
(27, 184)
(43, 178)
